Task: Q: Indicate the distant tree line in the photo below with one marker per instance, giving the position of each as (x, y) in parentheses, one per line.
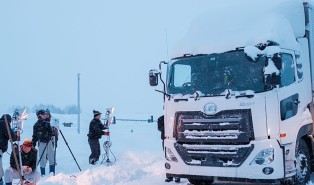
(69, 109)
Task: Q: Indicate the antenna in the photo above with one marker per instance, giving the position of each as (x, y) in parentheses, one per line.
(167, 44)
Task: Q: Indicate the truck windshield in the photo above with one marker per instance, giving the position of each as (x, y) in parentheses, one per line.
(213, 74)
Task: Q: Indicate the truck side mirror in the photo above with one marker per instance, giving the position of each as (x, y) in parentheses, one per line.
(153, 77)
(272, 79)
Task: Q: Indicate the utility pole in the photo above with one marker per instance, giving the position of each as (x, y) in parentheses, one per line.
(78, 104)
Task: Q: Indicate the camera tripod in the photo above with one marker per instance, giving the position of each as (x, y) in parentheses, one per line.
(107, 144)
(106, 158)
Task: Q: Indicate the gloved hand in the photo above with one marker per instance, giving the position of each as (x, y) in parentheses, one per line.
(27, 170)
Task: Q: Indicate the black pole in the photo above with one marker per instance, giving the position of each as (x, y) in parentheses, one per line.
(69, 149)
(54, 157)
(42, 154)
(55, 163)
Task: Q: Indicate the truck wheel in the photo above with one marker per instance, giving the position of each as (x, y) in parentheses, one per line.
(200, 182)
(303, 159)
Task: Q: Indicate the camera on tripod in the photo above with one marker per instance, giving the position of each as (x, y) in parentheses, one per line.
(108, 120)
(17, 122)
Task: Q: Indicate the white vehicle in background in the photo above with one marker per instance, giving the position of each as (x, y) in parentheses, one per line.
(243, 113)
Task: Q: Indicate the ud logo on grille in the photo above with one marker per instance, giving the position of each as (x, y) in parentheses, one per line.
(210, 108)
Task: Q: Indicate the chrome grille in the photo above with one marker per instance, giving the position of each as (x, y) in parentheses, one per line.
(220, 140)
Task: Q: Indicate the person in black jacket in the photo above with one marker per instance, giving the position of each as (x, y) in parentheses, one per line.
(29, 157)
(94, 134)
(42, 134)
(4, 138)
(161, 128)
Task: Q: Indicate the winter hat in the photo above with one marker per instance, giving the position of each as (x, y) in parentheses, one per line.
(96, 113)
(47, 111)
(28, 142)
(7, 116)
(40, 111)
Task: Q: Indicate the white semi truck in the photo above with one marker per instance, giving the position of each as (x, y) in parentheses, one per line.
(243, 114)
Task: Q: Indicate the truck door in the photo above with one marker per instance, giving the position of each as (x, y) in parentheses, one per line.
(289, 93)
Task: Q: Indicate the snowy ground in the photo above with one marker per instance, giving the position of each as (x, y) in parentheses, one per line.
(137, 147)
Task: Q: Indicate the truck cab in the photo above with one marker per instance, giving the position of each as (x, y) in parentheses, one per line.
(243, 113)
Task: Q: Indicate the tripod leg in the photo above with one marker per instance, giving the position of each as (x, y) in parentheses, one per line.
(42, 154)
(70, 150)
(105, 156)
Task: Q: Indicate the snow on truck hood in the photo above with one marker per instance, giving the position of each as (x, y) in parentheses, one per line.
(228, 25)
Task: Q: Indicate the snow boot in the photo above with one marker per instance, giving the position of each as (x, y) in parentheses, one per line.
(52, 169)
(177, 180)
(42, 171)
(169, 179)
(92, 161)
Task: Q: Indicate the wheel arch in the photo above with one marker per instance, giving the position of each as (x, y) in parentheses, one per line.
(305, 133)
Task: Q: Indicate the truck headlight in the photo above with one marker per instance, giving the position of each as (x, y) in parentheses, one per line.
(264, 157)
(170, 155)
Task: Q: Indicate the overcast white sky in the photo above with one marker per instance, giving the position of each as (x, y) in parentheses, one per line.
(113, 44)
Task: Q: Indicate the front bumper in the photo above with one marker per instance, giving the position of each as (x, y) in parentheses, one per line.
(244, 172)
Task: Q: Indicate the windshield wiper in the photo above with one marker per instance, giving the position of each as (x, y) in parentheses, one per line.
(211, 95)
(180, 99)
(164, 93)
(196, 93)
(197, 97)
(228, 95)
(245, 95)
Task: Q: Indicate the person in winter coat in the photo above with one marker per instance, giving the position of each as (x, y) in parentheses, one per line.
(42, 134)
(4, 138)
(29, 157)
(94, 134)
(161, 128)
(49, 153)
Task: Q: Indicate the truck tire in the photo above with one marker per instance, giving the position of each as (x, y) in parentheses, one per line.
(200, 182)
(302, 164)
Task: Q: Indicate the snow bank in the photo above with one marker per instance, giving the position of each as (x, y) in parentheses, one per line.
(241, 23)
(137, 147)
(132, 168)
